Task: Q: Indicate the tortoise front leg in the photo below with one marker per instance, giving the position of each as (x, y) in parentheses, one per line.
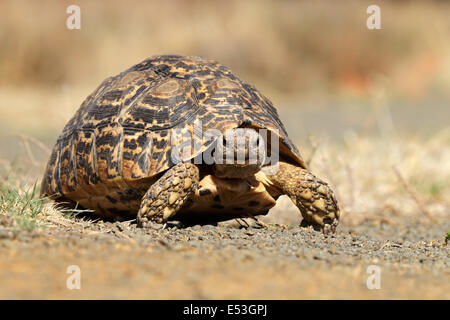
(168, 194)
(312, 196)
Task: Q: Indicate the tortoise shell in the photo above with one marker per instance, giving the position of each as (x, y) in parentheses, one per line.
(120, 137)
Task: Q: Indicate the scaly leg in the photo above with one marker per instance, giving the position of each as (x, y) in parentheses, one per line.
(167, 195)
(312, 196)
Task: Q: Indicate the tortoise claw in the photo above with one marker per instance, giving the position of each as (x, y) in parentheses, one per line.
(326, 228)
(330, 228)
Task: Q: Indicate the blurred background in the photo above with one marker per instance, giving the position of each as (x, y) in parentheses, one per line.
(356, 101)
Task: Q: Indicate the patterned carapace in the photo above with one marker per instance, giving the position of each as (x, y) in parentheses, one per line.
(120, 138)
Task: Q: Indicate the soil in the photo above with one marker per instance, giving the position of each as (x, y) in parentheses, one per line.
(228, 260)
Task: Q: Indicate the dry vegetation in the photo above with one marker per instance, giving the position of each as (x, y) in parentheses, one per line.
(285, 46)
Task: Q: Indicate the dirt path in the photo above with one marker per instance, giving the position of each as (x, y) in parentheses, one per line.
(118, 260)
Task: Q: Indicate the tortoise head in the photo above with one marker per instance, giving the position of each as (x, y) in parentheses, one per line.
(238, 153)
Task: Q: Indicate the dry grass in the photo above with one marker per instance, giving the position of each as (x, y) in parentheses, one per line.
(285, 47)
(361, 170)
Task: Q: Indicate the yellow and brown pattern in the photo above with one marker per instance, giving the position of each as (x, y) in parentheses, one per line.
(119, 140)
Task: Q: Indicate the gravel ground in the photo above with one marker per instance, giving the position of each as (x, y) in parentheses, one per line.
(227, 261)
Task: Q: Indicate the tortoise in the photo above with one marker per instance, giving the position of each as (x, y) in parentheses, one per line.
(115, 155)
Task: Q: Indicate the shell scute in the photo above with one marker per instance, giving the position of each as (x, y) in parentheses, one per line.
(124, 132)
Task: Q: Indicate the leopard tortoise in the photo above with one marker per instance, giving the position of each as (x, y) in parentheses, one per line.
(115, 156)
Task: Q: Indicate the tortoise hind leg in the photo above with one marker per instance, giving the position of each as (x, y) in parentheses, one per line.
(168, 194)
